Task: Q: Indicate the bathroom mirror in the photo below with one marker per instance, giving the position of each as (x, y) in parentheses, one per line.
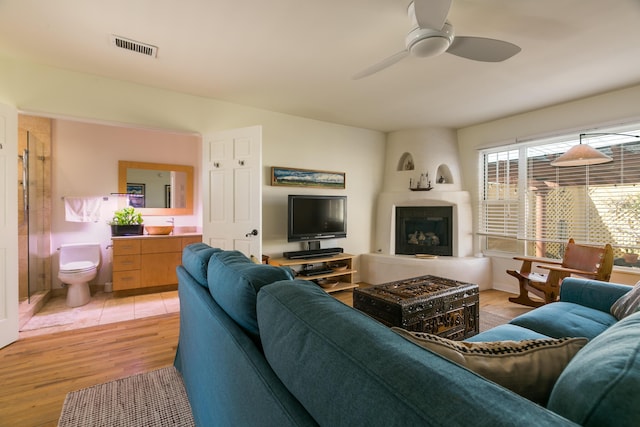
(157, 188)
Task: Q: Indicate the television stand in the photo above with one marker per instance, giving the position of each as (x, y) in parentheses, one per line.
(343, 273)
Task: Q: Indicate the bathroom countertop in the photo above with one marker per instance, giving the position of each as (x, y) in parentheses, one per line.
(176, 233)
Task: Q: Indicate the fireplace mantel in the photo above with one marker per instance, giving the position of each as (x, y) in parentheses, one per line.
(376, 269)
(385, 266)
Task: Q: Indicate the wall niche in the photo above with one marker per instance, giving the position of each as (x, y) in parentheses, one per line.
(406, 163)
(443, 175)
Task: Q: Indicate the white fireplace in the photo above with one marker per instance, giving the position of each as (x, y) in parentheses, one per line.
(459, 201)
(432, 153)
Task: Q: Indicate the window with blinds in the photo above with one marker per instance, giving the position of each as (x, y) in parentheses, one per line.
(529, 207)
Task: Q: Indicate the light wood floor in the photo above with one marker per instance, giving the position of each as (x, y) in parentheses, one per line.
(36, 373)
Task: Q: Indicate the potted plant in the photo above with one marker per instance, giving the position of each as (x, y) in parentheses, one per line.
(630, 257)
(126, 222)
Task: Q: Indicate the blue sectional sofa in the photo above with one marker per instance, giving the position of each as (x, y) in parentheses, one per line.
(260, 348)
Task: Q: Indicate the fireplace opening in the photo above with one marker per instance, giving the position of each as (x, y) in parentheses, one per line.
(424, 230)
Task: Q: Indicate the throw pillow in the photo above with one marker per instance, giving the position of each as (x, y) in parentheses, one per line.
(627, 304)
(529, 368)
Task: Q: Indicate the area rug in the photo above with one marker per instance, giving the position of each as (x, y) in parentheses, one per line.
(152, 399)
(490, 320)
(43, 320)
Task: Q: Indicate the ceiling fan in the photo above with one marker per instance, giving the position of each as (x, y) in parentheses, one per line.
(432, 34)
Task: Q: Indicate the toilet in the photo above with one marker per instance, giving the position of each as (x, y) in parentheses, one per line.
(79, 264)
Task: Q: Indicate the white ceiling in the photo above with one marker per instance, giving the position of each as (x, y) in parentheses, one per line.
(298, 56)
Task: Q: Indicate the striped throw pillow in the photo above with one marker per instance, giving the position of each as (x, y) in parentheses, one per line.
(529, 368)
(627, 304)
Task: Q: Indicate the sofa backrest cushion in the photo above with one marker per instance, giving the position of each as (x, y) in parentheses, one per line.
(600, 385)
(234, 282)
(347, 369)
(195, 259)
(227, 379)
(591, 293)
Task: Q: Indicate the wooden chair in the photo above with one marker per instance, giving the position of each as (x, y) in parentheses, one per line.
(584, 261)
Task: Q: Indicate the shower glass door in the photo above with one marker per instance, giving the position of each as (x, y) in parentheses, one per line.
(38, 237)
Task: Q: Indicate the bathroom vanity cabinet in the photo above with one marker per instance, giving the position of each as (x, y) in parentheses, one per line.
(148, 261)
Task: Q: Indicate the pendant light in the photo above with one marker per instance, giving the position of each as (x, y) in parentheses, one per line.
(583, 154)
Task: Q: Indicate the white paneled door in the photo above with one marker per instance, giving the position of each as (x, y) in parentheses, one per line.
(8, 225)
(232, 181)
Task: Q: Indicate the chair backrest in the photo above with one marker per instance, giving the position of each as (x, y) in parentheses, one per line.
(598, 260)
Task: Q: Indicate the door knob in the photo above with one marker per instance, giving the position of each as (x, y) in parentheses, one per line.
(253, 232)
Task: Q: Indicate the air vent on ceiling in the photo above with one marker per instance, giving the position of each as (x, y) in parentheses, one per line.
(134, 46)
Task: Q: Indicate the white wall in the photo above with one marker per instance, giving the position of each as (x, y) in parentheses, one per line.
(309, 144)
(577, 116)
(287, 140)
(290, 140)
(431, 148)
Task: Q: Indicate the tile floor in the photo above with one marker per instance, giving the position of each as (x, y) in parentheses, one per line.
(103, 308)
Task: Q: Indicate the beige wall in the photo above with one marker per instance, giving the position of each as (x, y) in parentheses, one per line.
(287, 140)
(613, 107)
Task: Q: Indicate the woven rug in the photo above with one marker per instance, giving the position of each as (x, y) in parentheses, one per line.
(44, 319)
(151, 399)
(490, 320)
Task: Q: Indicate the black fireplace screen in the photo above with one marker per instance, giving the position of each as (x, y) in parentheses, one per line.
(424, 230)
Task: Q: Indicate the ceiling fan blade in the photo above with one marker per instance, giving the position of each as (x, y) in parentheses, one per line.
(483, 49)
(431, 13)
(397, 57)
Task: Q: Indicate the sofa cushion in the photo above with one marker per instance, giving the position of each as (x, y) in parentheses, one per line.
(529, 368)
(234, 282)
(226, 377)
(195, 259)
(347, 369)
(627, 304)
(565, 319)
(600, 385)
(505, 333)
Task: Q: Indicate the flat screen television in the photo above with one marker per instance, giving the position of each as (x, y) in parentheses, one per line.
(316, 217)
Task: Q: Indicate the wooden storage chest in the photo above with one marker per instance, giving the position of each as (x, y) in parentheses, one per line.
(430, 304)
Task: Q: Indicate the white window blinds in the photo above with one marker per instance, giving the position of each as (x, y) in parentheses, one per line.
(500, 211)
(523, 197)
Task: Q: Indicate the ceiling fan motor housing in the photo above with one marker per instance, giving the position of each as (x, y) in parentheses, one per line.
(425, 42)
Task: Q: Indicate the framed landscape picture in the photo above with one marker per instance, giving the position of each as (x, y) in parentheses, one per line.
(292, 177)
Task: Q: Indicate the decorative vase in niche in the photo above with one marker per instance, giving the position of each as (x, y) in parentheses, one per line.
(127, 230)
